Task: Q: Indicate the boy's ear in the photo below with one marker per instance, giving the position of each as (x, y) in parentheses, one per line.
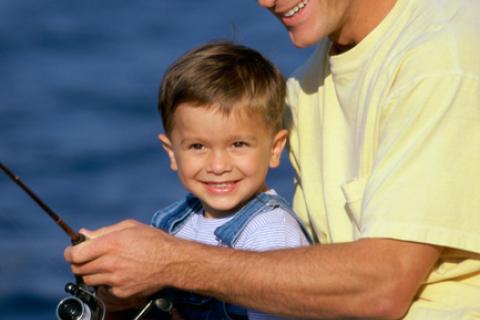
(278, 145)
(167, 146)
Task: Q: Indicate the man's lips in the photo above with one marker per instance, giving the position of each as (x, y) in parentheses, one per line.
(291, 16)
(297, 8)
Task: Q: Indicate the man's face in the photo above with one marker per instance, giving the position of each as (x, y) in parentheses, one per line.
(308, 21)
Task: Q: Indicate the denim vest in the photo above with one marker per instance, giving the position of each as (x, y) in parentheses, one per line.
(172, 218)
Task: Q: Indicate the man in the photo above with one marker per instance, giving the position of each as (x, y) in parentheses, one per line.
(385, 142)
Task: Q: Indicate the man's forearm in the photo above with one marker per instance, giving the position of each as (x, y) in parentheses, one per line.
(366, 279)
(369, 278)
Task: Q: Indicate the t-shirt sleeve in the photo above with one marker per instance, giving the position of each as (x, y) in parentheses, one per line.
(424, 183)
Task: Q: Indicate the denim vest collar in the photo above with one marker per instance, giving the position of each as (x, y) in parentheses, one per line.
(172, 218)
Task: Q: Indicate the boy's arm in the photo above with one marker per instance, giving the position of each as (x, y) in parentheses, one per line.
(366, 278)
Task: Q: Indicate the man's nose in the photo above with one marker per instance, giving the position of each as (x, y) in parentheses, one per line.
(266, 3)
(219, 162)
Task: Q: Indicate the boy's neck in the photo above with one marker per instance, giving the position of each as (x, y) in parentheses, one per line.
(218, 215)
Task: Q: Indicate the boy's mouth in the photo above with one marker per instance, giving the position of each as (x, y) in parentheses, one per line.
(296, 9)
(221, 187)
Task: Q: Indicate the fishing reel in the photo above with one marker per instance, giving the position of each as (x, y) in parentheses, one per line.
(83, 304)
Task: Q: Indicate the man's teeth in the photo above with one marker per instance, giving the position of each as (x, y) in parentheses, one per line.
(297, 8)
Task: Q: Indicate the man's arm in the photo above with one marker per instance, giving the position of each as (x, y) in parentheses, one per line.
(369, 278)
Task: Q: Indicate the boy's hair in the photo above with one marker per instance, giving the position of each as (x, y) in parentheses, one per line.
(223, 75)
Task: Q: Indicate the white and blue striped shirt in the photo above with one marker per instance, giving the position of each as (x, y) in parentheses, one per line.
(270, 230)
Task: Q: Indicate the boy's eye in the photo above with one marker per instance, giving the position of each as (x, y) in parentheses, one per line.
(196, 146)
(240, 144)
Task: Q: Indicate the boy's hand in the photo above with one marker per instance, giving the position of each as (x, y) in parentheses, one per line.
(129, 258)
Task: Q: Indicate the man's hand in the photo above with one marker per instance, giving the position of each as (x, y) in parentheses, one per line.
(114, 304)
(123, 257)
(336, 280)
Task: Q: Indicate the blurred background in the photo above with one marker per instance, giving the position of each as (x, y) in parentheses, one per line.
(78, 121)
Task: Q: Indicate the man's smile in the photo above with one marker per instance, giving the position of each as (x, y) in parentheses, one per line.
(296, 9)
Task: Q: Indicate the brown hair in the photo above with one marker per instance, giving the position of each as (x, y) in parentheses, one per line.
(223, 75)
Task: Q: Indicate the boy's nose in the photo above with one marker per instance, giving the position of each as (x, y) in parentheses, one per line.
(219, 162)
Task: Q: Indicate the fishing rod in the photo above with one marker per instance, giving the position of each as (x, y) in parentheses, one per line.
(76, 237)
(83, 304)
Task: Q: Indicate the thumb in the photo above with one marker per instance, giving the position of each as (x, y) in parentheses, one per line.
(92, 234)
(89, 234)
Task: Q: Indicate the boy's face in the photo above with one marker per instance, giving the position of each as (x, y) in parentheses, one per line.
(222, 159)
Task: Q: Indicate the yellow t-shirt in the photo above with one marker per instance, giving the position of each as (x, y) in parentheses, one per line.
(386, 143)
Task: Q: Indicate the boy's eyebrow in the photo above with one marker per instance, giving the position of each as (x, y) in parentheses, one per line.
(244, 137)
(188, 140)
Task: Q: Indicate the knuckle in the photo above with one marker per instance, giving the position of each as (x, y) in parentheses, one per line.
(116, 279)
(73, 255)
(118, 292)
(74, 269)
(101, 230)
(66, 254)
(131, 222)
(88, 280)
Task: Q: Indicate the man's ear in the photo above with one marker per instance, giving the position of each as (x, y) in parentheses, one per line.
(167, 146)
(278, 145)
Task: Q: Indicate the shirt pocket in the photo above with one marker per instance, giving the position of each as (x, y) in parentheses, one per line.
(353, 191)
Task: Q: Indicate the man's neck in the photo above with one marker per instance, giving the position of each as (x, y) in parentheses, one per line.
(363, 16)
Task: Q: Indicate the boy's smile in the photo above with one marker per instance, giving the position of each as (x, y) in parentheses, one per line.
(222, 159)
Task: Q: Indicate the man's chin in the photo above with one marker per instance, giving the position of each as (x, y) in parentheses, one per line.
(300, 42)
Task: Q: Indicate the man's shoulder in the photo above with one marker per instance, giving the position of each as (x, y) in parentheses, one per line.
(440, 37)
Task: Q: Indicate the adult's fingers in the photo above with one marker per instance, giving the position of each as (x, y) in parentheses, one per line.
(109, 229)
(98, 242)
(87, 250)
(98, 279)
(101, 265)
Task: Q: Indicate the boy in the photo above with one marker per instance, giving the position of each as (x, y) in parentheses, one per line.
(221, 106)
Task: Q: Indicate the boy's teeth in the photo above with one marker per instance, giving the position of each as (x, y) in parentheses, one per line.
(297, 8)
(220, 185)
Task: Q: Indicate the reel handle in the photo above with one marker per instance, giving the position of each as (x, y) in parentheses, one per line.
(160, 303)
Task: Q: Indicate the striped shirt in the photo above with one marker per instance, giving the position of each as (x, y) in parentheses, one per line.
(271, 230)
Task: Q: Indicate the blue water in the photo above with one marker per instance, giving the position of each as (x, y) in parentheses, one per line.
(78, 121)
